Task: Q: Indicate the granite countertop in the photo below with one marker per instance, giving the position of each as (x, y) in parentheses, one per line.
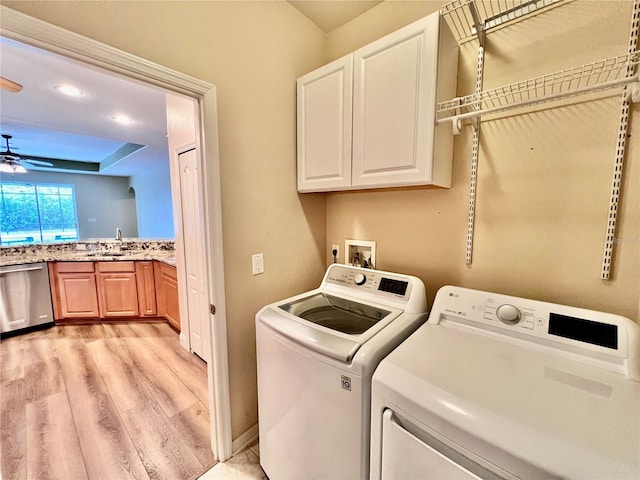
(90, 251)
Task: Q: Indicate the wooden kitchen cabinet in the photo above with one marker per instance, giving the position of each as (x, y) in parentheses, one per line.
(73, 290)
(145, 279)
(117, 289)
(166, 281)
(378, 129)
(114, 290)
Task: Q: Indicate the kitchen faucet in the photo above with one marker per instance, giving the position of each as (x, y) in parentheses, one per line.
(118, 234)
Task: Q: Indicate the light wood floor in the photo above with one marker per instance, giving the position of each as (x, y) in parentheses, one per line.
(106, 401)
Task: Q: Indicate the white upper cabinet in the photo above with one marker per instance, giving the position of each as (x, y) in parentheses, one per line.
(324, 127)
(392, 136)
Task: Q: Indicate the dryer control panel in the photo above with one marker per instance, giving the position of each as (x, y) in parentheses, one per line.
(570, 330)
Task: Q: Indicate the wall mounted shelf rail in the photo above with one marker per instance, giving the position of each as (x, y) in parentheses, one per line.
(471, 20)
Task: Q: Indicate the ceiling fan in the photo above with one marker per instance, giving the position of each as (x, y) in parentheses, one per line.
(11, 162)
(9, 85)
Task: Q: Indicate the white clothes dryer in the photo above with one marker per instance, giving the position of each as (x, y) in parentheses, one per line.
(316, 355)
(495, 386)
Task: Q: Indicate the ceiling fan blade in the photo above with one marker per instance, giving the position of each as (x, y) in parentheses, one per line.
(9, 85)
(36, 162)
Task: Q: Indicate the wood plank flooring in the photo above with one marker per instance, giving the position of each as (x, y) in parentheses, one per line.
(104, 401)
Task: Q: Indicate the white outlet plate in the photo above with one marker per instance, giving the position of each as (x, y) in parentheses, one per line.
(360, 253)
(337, 249)
(257, 261)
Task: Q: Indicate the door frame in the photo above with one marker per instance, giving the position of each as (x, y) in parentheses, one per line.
(32, 31)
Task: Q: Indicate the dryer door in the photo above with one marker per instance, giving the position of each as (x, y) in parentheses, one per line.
(406, 455)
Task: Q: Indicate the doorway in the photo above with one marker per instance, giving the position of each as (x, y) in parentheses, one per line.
(40, 34)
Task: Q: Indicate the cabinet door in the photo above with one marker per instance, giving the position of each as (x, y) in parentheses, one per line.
(167, 293)
(118, 295)
(77, 297)
(395, 81)
(146, 289)
(324, 127)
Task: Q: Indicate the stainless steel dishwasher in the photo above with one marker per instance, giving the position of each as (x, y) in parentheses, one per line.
(25, 298)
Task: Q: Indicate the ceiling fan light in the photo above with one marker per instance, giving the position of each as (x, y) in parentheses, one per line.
(19, 169)
(69, 90)
(5, 168)
(122, 119)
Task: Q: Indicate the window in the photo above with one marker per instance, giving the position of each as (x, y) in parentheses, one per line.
(37, 213)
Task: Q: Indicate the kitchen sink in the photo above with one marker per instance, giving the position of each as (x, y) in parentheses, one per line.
(106, 254)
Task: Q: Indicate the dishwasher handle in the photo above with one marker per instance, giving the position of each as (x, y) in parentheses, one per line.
(21, 268)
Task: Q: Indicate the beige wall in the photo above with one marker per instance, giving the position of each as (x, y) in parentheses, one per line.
(252, 52)
(544, 177)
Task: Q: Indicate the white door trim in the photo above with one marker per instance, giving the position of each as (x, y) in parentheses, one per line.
(32, 31)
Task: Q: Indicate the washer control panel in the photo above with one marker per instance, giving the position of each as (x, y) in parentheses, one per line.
(557, 326)
(372, 281)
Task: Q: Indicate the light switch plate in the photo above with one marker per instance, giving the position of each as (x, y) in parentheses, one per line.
(258, 263)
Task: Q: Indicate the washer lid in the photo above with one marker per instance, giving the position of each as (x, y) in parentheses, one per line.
(336, 313)
(505, 400)
(330, 325)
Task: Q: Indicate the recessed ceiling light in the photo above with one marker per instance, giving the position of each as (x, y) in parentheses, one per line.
(69, 90)
(122, 119)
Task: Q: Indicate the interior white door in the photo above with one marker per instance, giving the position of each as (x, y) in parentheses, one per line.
(190, 186)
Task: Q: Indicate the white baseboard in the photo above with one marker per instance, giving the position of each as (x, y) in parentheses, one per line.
(244, 440)
(184, 341)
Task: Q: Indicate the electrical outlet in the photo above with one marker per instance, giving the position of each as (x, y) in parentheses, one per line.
(337, 249)
(257, 261)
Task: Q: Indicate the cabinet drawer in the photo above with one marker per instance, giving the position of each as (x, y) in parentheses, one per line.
(167, 270)
(116, 266)
(74, 267)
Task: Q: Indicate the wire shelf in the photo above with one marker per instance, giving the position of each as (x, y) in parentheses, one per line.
(467, 18)
(596, 76)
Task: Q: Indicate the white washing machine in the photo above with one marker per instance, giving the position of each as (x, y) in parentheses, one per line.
(494, 386)
(316, 355)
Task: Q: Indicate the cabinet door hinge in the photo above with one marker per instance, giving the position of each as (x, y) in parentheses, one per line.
(212, 309)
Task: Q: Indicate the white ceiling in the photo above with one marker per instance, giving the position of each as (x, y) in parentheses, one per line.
(330, 14)
(45, 123)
